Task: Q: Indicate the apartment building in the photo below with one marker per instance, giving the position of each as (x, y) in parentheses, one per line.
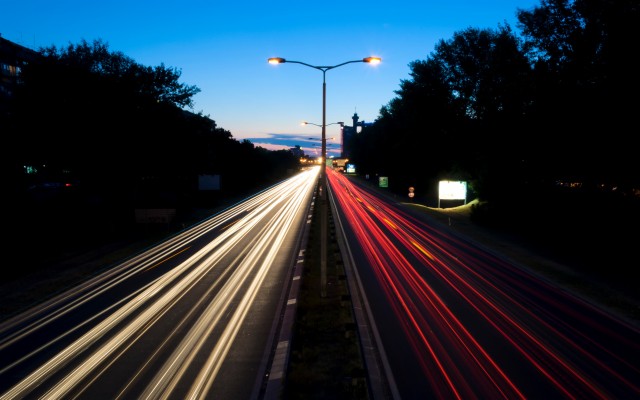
(12, 58)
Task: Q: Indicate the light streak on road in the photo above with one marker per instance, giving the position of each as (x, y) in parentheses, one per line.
(480, 326)
(212, 290)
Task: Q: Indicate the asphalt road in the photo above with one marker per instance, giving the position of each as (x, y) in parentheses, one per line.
(453, 221)
(194, 316)
(454, 318)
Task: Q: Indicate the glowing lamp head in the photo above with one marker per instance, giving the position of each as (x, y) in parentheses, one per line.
(276, 60)
(372, 60)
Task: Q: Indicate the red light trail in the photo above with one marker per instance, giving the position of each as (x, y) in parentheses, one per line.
(473, 318)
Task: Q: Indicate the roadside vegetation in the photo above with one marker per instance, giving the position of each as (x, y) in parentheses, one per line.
(96, 136)
(535, 119)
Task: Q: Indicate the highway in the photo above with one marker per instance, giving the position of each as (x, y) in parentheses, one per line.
(448, 319)
(193, 317)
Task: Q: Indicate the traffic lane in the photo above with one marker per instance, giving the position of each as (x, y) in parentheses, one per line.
(54, 325)
(560, 334)
(260, 240)
(479, 321)
(243, 364)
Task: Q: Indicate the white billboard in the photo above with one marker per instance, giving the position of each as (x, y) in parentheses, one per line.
(452, 190)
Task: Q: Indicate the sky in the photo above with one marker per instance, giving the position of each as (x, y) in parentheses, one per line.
(222, 47)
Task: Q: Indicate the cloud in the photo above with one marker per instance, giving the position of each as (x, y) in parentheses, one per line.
(311, 146)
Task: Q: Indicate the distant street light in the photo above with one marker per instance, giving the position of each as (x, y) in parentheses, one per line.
(323, 167)
(333, 123)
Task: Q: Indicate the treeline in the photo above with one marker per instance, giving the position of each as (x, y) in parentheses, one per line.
(541, 124)
(94, 135)
(510, 112)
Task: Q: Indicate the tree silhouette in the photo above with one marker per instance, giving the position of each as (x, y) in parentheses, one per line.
(584, 73)
(538, 124)
(514, 113)
(456, 116)
(122, 135)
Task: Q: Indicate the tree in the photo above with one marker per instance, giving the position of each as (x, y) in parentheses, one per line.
(487, 75)
(159, 83)
(583, 76)
(457, 113)
(123, 135)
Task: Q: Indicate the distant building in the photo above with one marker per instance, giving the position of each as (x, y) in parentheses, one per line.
(12, 58)
(348, 132)
(297, 151)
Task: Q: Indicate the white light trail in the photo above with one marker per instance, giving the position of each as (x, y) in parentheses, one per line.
(266, 218)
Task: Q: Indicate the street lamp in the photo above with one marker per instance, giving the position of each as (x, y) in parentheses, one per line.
(323, 140)
(323, 166)
(333, 123)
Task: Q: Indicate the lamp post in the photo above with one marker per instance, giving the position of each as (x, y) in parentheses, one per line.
(325, 139)
(323, 166)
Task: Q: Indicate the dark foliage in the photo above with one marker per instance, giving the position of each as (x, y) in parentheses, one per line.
(539, 125)
(538, 121)
(515, 114)
(95, 135)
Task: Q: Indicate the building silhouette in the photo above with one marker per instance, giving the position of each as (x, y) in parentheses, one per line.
(13, 57)
(348, 132)
(297, 151)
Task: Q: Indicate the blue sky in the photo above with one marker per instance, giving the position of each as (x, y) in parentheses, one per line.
(222, 47)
